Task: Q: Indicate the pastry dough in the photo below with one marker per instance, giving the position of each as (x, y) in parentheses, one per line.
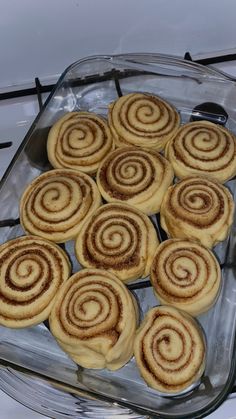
(198, 209)
(31, 271)
(94, 320)
(120, 239)
(169, 350)
(137, 177)
(143, 120)
(80, 141)
(57, 203)
(186, 275)
(203, 148)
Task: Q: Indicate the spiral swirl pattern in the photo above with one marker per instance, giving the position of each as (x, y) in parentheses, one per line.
(169, 350)
(138, 177)
(80, 141)
(120, 239)
(203, 148)
(94, 319)
(142, 120)
(31, 271)
(198, 209)
(57, 203)
(186, 275)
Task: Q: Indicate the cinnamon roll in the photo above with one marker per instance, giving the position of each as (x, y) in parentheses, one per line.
(186, 275)
(57, 203)
(203, 148)
(143, 120)
(169, 350)
(120, 239)
(80, 141)
(94, 320)
(199, 209)
(137, 177)
(32, 270)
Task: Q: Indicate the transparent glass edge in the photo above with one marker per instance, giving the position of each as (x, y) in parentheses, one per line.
(125, 58)
(42, 411)
(171, 60)
(105, 411)
(211, 407)
(146, 58)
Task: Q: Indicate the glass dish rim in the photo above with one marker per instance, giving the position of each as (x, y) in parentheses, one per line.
(146, 60)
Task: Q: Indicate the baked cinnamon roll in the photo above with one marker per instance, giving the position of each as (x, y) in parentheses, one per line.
(186, 275)
(57, 203)
(94, 320)
(203, 148)
(198, 209)
(143, 120)
(80, 141)
(119, 239)
(32, 270)
(169, 350)
(136, 177)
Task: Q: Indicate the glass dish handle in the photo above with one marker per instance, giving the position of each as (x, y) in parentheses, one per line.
(172, 64)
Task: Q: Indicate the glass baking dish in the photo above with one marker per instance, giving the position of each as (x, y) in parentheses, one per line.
(31, 356)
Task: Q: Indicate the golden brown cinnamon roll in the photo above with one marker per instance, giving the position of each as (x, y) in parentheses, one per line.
(143, 120)
(186, 275)
(203, 148)
(31, 271)
(169, 350)
(198, 209)
(137, 177)
(80, 141)
(57, 203)
(120, 239)
(94, 320)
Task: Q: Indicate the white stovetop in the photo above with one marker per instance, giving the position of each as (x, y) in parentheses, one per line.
(16, 117)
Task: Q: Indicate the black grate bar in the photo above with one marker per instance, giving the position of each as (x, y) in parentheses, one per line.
(117, 84)
(6, 144)
(96, 78)
(25, 92)
(211, 60)
(162, 236)
(39, 92)
(228, 265)
(10, 222)
(139, 285)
